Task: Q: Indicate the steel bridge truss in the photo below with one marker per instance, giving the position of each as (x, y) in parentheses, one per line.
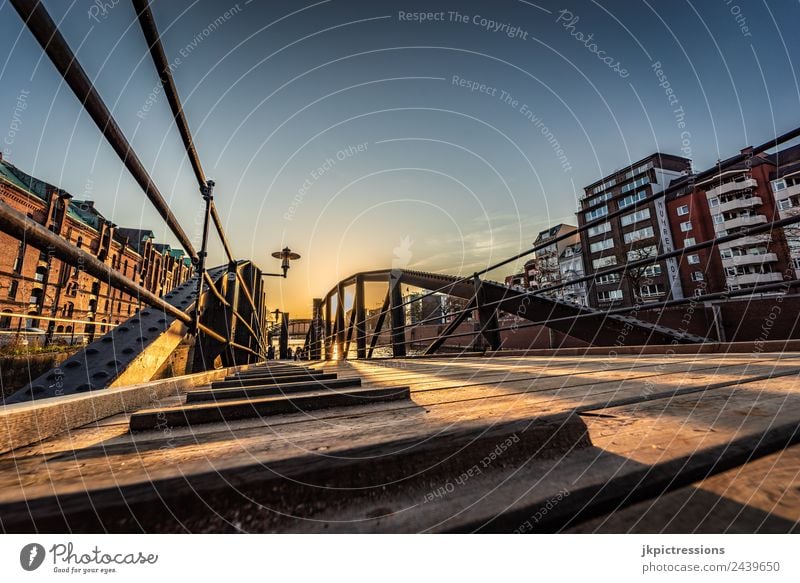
(333, 330)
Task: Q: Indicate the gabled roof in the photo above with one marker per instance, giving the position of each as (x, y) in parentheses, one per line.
(553, 232)
(136, 237)
(24, 181)
(84, 211)
(574, 249)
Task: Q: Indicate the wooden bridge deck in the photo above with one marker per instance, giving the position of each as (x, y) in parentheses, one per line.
(650, 443)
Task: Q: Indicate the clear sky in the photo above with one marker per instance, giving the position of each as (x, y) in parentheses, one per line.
(364, 136)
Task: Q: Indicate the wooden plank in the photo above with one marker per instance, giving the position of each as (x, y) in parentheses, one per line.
(762, 496)
(189, 415)
(261, 381)
(514, 442)
(644, 484)
(26, 423)
(231, 445)
(263, 391)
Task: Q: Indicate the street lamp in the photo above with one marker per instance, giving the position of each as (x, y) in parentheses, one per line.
(285, 255)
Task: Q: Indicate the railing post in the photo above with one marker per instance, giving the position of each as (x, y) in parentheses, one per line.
(208, 196)
(283, 339)
(360, 316)
(487, 317)
(232, 297)
(328, 328)
(398, 316)
(315, 332)
(340, 331)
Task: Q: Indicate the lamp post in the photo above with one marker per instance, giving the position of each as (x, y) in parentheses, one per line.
(285, 255)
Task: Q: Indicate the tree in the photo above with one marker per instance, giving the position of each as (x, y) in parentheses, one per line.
(637, 276)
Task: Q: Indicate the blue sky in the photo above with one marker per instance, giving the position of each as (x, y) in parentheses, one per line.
(343, 129)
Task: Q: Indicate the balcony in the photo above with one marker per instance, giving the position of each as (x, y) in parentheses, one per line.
(749, 259)
(787, 192)
(739, 203)
(754, 278)
(744, 221)
(790, 212)
(749, 241)
(736, 185)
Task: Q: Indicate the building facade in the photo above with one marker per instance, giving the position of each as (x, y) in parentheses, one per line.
(570, 264)
(544, 269)
(785, 189)
(754, 192)
(638, 234)
(63, 299)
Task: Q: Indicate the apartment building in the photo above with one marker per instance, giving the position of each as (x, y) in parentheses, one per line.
(544, 269)
(35, 284)
(785, 188)
(570, 264)
(643, 231)
(517, 280)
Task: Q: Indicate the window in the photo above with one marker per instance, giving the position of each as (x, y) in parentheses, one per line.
(639, 235)
(635, 217)
(609, 295)
(683, 210)
(632, 199)
(698, 276)
(12, 289)
(689, 241)
(642, 253)
(785, 204)
(596, 213)
(778, 185)
(599, 229)
(651, 270)
(651, 290)
(713, 201)
(601, 245)
(686, 226)
(718, 219)
(730, 271)
(608, 278)
(635, 184)
(5, 319)
(693, 259)
(796, 262)
(20, 258)
(604, 262)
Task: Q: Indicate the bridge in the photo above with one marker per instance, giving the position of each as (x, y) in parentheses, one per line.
(641, 424)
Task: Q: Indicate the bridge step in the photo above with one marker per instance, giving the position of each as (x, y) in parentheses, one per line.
(267, 380)
(269, 390)
(270, 373)
(188, 415)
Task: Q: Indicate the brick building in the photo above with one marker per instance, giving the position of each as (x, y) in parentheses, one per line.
(35, 284)
(785, 188)
(746, 194)
(642, 232)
